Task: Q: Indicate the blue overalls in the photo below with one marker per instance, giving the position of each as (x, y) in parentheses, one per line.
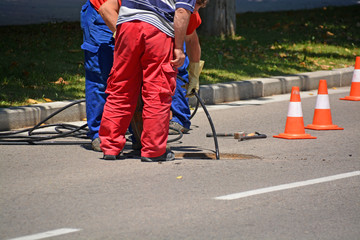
(98, 47)
(180, 104)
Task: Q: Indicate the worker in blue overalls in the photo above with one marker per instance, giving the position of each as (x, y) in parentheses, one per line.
(98, 46)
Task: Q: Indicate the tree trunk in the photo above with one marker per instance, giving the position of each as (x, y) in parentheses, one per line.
(218, 18)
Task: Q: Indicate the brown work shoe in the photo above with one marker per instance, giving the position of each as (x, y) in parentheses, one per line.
(95, 145)
(175, 128)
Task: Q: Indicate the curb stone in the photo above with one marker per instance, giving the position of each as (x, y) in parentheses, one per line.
(28, 116)
(25, 116)
(262, 87)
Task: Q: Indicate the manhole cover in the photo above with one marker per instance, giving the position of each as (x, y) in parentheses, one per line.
(223, 156)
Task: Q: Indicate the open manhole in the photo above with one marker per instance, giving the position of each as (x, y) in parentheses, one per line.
(210, 156)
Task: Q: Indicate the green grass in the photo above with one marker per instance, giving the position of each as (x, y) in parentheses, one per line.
(33, 58)
(282, 43)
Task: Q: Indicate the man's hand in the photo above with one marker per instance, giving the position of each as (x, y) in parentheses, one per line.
(195, 69)
(179, 58)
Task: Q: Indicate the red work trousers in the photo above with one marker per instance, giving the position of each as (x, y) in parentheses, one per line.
(141, 62)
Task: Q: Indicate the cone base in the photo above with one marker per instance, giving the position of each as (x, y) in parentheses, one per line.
(351, 98)
(294, 136)
(323, 127)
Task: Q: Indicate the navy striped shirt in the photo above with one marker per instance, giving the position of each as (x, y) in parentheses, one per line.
(159, 13)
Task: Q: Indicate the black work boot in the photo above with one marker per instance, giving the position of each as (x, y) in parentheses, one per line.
(113, 157)
(167, 156)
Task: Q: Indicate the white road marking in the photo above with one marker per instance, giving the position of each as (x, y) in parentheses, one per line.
(48, 234)
(287, 186)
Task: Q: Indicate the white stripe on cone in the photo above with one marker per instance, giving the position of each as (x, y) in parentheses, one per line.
(295, 109)
(322, 102)
(356, 75)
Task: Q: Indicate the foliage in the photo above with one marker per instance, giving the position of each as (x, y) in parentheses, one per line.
(40, 63)
(283, 43)
(44, 62)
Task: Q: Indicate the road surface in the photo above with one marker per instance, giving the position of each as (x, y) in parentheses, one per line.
(272, 188)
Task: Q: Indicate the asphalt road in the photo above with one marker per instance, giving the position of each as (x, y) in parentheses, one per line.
(67, 191)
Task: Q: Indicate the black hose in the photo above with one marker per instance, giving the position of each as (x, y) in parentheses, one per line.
(195, 110)
(209, 118)
(180, 135)
(80, 132)
(55, 113)
(32, 137)
(211, 124)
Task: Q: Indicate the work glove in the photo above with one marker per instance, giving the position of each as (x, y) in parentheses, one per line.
(195, 69)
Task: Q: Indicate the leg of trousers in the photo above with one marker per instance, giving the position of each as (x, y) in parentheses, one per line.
(95, 85)
(180, 104)
(141, 61)
(98, 47)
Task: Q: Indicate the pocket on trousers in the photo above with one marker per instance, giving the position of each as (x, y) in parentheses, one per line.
(168, 86)
(89, 47)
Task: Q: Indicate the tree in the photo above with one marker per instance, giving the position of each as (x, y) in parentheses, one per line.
(218, 18)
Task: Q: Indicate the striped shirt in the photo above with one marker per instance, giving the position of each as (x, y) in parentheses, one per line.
(159, 13)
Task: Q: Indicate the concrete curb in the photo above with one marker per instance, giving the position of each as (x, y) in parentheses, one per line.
(20, 117)
(262, 87)
(28, 116)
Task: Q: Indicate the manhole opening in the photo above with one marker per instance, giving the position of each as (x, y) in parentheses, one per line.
(210, 156)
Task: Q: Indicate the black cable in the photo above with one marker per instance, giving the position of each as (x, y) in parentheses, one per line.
(209, 118)
(80, 132)
(51, 135)
(32, 137)
(195, 110)
(211, 124)
(55, 113)
(176, 138)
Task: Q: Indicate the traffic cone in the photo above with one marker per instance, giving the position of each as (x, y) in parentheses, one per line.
(294, 128)
(355, 84)
(322, 115)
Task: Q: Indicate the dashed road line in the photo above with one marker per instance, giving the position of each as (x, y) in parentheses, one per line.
(287, 186)
(48, 234)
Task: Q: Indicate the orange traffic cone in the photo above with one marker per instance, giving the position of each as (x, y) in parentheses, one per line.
(294, 128)
(355, 84)
(322, 115)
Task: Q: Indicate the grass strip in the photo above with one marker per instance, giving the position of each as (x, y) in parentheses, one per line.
(44, 62)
